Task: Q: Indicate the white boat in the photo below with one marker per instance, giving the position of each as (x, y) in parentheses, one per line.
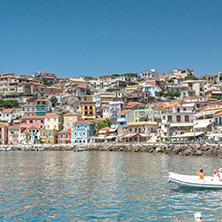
(194, 181)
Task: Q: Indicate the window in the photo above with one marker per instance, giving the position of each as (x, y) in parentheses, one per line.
(164, 117)
(30, 121)
(184, 109)
(67, 136)
(169, 118)
(75, 133)
(42, 121)
(85, 107)
(49, 141)
(178, 119)
(49, 134)
(85, 126)
(78, 126)
(186, 118)
(54, 126)
(48, 126)
(48, 119)
(61, 136)
(135, 130)
(165, 126)
(54, 119)
(43, 134)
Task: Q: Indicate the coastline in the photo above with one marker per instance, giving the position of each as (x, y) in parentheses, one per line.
(193, 149)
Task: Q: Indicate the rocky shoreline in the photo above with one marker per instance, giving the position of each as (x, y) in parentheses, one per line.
(194, 149)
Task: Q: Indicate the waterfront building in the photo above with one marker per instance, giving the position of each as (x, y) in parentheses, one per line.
(88, 110)
(3, 133)
(140, 132)
(82, 132)
(48, 136)
(15, 134)
(105, 112)
(7, 115)
(30, 135)
(64, 136)
(69, 119)
(176, 119)
(53, 121)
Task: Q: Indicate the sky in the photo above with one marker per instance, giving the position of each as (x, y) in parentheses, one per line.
(97, 37)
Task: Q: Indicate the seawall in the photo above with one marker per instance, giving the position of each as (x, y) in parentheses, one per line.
(193, 149)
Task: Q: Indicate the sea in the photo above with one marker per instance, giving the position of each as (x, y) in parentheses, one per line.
(103, 186)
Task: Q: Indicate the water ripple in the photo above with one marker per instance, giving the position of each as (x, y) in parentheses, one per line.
(102, 186)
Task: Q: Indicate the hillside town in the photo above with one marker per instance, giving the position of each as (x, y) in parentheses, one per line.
(148, 106)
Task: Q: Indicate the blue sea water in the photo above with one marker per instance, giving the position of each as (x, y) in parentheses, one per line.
(103, 186)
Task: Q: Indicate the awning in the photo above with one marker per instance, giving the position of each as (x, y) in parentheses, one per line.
(181, 124)
(110, 137)
(189, 134)
(202, 125)
(112, 130)
(129, 135)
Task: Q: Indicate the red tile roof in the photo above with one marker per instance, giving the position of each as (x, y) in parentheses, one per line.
(32, 117)
(81, 86)
(72, 114)
(105, 128)
(83, 122)
(48, 115)
(125, 111)
(7, 111)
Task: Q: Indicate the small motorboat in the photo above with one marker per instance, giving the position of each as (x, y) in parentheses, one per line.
(78, 150)
(193, 181)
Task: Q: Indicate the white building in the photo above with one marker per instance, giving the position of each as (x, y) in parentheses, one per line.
(153, 74)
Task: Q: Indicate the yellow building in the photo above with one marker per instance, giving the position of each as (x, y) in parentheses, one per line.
(88, 110)
(48, 136)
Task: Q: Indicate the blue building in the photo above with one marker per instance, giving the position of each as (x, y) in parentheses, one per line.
(82, 132)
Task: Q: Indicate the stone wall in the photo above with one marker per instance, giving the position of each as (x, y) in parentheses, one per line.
(197, 149)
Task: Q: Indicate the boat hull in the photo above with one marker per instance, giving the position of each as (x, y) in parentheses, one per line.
(193, 181)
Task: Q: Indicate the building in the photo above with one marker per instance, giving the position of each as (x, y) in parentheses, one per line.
(48, 136)
(153, 115)
(69, 119)
(45, 77)
(176, 120)
(141, 132)
(3, 133)
(88, 110)
(116, 106)
(199, 86)
(37, 107)
(64, 136)
(15, 134)
(28, 121)
(82, 132)
(182, 72)
(152, 74)
(53, 121)
(32, 135)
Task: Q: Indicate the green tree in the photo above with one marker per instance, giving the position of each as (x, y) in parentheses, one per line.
(88, 91)
(150, 98)
(54, 100)
(102, 124)
(191, 78)
(132, 83)
(160, 93)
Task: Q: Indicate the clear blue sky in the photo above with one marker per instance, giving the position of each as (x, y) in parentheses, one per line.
(96, 37)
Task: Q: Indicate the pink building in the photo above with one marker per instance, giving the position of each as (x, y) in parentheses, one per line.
(64, 136)
(37, 121)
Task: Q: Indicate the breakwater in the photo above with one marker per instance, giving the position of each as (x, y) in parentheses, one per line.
(193, 149)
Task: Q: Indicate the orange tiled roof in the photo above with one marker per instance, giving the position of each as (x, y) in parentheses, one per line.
(83, 122)
(32, 117)
(125, 111)
(72, 114)
(105, 128)
(7, 111)
(51, 115)
(218, 114)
